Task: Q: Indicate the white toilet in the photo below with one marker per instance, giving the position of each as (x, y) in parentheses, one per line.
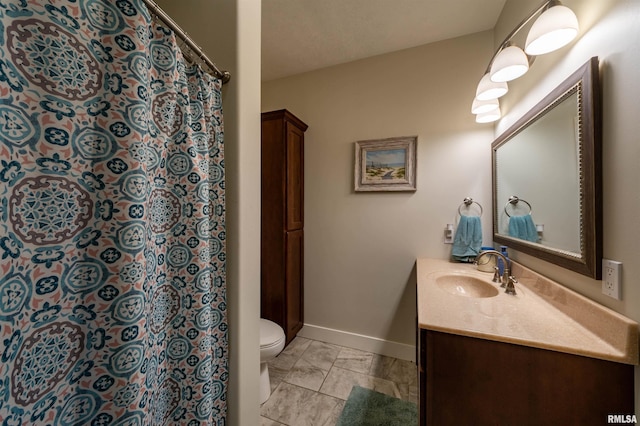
(272, 340)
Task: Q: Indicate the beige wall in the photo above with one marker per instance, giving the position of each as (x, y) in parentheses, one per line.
(360, 248)
(609, 30)
(229, 32)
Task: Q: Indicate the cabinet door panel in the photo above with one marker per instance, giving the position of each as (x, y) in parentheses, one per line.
(294, 285)
(295, 177)
(472, 381)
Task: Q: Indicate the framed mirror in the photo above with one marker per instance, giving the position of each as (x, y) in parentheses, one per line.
(547, 177)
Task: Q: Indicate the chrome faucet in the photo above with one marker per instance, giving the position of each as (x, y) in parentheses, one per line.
(507, 281)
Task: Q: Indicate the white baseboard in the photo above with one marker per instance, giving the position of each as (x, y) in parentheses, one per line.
(359, 341)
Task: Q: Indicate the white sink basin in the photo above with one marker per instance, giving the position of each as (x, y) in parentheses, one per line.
(466, 286)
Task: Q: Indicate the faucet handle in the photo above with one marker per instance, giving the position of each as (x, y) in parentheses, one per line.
(496, 274)
(511, 288)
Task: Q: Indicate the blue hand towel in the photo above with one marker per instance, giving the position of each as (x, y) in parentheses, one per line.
(523, 227)
(468, 239)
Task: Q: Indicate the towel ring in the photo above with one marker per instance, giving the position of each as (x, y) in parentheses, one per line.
(513, 200)
(467, 202)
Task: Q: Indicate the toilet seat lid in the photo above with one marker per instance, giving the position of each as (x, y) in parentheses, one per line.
(270, 333)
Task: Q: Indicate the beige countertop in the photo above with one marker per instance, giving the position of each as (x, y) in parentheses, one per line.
(543, 314)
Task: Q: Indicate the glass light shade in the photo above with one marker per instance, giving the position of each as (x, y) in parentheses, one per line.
(555, 28)
(479, 107)
(509, 64)
(489, 117)
(488, 89)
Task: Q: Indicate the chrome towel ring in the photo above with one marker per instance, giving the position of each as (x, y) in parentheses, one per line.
(467, 202)
(514, 200)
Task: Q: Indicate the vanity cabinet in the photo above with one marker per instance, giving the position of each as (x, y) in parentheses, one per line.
(466, 380)
(282, 221)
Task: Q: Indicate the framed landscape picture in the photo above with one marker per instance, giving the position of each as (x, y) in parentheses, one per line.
(386, 164)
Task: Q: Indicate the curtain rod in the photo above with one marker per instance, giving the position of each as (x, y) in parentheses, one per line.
(225, 76)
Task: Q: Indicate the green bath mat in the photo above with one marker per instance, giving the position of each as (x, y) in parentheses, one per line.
(370, 408)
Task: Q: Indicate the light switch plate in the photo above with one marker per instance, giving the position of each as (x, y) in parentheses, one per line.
(448, 234)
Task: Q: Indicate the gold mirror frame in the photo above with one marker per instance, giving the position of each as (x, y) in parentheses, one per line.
(586, 82)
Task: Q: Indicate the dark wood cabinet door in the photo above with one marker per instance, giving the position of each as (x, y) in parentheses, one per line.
(466, 380)
(295, 177)
(293, 282)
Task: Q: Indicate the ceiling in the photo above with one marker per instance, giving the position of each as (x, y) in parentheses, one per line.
(305, 35)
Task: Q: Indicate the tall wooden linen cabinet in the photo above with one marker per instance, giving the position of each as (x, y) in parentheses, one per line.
(281, 248)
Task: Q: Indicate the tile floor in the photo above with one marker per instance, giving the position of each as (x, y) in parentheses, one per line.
(311, 380)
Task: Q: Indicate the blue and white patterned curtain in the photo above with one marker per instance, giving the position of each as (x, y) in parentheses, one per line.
(112, 233)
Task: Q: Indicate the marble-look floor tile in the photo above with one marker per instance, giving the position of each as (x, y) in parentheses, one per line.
(334, 415)
(396, 370)
(276, 375)
(340, 381)
(321, 355)
(311, 380)
(297, 346)
(380, 365)
(284, 361)
(293, 405)
(306, 375)
(268, 422)
(404, 372)
(354, 360)
(408, 392)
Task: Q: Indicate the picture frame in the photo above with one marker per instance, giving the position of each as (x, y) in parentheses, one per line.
(385, 164)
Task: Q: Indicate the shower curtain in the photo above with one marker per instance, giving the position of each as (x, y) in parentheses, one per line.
(112, 231)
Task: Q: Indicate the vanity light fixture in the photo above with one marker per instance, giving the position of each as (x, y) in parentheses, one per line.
(556, 25)
(509, 64)
(555, 28)
(489, 116)
(478, 107)
(488, 89)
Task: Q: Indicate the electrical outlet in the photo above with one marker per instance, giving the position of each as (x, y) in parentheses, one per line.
(611, 277)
